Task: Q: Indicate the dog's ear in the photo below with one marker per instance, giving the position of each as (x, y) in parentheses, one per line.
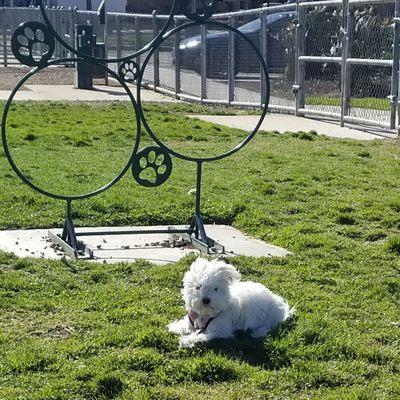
(227, 271)
(195, 271)
(198, 265)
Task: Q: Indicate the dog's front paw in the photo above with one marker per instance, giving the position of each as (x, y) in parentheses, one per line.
(179, 327)
(187, 341)
(192, 339)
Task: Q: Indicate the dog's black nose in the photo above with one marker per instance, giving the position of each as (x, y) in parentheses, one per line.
(206, 300)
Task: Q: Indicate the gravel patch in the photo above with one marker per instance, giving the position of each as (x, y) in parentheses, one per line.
(9, 77)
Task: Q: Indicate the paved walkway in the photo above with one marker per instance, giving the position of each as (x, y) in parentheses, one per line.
(290, 123)
(273, 122)
(69, 93)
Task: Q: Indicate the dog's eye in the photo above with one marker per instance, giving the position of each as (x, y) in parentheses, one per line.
(197, 287)
(216, 289)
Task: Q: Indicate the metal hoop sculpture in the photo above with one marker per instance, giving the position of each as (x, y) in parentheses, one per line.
(150, 166)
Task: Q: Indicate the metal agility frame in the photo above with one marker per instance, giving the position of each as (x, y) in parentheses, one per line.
(160, 155)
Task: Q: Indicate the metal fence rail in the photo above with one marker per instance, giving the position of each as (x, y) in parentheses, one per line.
(336, 59)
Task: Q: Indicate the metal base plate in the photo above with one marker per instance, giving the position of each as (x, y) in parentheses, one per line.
(213, 247)
(83, 252)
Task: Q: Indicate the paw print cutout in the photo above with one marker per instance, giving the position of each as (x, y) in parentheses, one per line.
(129, 71)
(152, 166)
(32, 44)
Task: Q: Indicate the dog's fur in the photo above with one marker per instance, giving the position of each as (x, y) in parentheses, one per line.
(218, 305)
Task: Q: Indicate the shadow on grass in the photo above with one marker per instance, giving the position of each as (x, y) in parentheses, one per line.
(267, 352)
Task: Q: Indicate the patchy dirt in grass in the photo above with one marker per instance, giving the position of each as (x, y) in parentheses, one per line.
(6, 268)
(397, 143)
(60, 332)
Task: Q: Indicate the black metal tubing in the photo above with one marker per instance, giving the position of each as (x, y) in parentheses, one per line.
(134, 231)
(208, 11)
(198, 187)
(68, 234)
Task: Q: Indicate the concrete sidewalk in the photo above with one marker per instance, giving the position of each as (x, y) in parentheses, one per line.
(69, 93)
(290, 123)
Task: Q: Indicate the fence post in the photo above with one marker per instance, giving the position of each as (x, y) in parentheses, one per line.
(347, 49)
(177, 61)
(231, 61)
(119, 35)
(14, 21)
(57, 18)
(156, 56)
(56, 22)
(137, 37)
(345, 42)
(395, 68)
(300, 65)
(264, 53)
(64, 24)
(73, 31)
(203, 60)
(106, 44)
(5, 60)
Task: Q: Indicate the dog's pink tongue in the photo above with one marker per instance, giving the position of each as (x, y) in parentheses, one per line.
(193, 315)
(198, 321)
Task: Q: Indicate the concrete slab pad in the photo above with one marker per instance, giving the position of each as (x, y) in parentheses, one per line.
(290, 123)
(130, 247)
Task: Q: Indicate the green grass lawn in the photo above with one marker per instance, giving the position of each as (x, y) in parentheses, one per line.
(76, 330)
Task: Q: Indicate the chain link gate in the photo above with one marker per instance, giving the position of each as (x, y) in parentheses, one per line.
(350, 70)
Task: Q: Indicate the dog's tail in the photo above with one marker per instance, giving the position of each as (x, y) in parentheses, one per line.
(290, 312)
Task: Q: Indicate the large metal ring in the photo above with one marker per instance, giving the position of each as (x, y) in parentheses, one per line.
(7, 151)
(264, 73)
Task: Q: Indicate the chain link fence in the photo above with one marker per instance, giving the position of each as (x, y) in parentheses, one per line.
(336, 59)
(323, 38)
(372, 38)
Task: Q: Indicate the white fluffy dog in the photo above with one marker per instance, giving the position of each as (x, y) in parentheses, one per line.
(218, 304)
